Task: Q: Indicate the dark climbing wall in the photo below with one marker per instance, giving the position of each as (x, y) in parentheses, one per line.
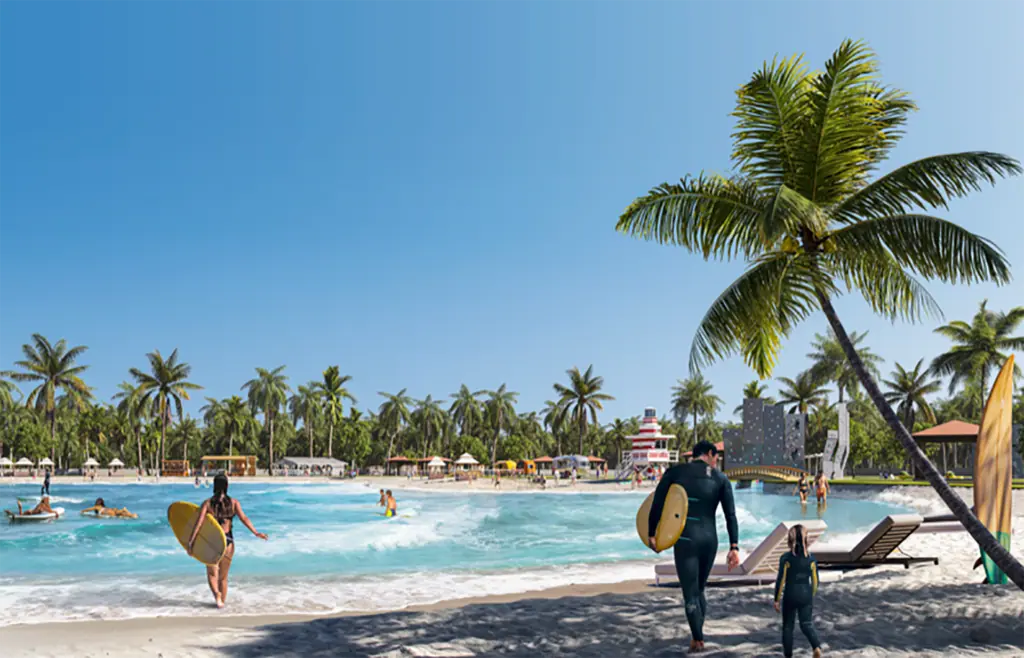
(769, 437)
(1018, 461)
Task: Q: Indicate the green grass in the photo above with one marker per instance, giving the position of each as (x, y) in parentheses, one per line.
(876, 481)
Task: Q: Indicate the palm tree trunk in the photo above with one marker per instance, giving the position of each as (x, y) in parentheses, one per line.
(583, 429)
(309, 431)
(1002, 558)
(138, 443)
(330, 441)
(53, 434)
(163, 433)
(694, 428)
(270, 448)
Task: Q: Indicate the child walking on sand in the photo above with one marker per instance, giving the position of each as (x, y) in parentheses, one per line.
(795, 587)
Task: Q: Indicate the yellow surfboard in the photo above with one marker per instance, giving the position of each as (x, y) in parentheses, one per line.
(673, 518)
(993, 466)
(210, 542)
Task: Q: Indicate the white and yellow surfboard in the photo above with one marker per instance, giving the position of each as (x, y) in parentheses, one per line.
(673, 518)
(993, 466)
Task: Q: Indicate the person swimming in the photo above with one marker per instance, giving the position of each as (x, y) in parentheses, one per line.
(802, 488)
(100, 508)
(392, 506)
(42, 508)
(224, 509)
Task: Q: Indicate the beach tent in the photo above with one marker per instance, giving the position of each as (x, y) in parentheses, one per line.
(529, 467)
(467, 463)
(115, 463)
(46, 461)
(91, 463)
(5, 462)
(24, 461)
(505, 465)
(436, 462)
(571, 461)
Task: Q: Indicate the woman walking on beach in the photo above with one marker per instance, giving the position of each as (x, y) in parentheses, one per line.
(795, 587)
(224, 509)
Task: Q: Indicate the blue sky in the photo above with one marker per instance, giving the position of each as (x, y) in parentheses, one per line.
(426, 194)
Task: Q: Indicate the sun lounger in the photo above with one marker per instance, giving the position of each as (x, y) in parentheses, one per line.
(760, 565)
(877, 546)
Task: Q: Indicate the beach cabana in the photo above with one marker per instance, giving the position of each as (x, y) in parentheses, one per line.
(543, 463)
(24, 462)
(505, 465)
(115, 465)
(467, 462)
(529, 466)
(436, 468)
(239, 465)
(568, 462)
(401, 463)
(955, 433)
(5, 463)
(91, 463)
(46, 461)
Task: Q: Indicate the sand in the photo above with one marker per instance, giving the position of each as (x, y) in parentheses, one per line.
(926, 611)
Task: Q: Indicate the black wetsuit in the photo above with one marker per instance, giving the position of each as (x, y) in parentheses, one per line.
(695, 551)
(45, 490)
(796, 584)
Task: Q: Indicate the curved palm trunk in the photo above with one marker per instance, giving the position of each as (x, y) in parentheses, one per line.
(583, 430)
(309, 431)
(694, 428)
(330, 442)
(1003, 559)
(138, 443)
(53, 434)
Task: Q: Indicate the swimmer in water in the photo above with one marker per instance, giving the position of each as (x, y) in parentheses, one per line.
(42, 508)
(383, 502)
(392, 504)
(802, 488)
(100, 508)
(821, 488)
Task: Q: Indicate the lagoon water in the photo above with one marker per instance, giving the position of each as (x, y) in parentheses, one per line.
(331, 551)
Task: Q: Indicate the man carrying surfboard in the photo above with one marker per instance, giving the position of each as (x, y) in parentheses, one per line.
(706, 487)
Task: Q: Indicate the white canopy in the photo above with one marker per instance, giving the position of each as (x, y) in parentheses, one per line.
(466, 458)
(569, 461)
(115, 462)
(5, 461)
(24, 461)
(46, 461)
(91, 462)
(436, 462)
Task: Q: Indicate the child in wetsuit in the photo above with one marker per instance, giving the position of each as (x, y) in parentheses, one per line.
(795, 587)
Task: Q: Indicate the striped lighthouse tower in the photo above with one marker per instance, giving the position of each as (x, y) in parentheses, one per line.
(650, 446)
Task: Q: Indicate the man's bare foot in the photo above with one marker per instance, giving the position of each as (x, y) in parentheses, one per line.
(817, 653)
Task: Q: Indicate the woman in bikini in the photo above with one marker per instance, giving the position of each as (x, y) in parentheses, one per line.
(801, 488)
(224, 509)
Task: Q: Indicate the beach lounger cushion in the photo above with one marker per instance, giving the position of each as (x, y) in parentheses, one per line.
(877, 544)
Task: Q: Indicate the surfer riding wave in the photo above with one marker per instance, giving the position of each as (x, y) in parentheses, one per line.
(224, 509)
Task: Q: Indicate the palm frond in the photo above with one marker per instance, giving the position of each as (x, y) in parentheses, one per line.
(927, 183)
(887, 289)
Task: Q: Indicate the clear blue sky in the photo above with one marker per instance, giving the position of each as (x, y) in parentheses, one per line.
(426, 194)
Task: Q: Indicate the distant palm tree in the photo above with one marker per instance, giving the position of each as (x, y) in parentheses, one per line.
(908, 390)
(187, 432)
(693, 397)
(133, 411)
(979, 347)
(466, 410)
(305, 404)
(617, 432)
(582, 398)
(754, 390)
(555, 420)
(268, 392)
(54, 367)
(334, 394)
(393, 415)
(166, 382)
(829, 362)
(803, 392)
(7, 390)
(500, 412)
(430, 419)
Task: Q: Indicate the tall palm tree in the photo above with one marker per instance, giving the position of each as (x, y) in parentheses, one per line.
(187, 432)
(165, 383)
(500, 412)
(908, 390)
(617, 432)
(829, 363)
(693, 397)
(582, 398)
(267, 393)
(555, 420)
(430, 419)
(53, 366)
(979, 347)
(803, 211)
(804, 392)
(393, 415)
(754, 390)
(466, 410)
(306, 405)
(334, 394)
(133, 411)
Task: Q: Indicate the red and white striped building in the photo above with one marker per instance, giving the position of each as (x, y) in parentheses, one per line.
(650, 446)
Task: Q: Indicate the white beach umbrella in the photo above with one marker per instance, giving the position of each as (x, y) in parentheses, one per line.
(24, 461)
(46, 461)
(436, 462)
(5, 461)
(465, 459)
(115, 462)
(91, 462)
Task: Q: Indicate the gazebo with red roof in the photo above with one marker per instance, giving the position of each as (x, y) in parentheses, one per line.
(956, 432)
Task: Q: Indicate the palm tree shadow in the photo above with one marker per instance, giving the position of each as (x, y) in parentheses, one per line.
(649, 624)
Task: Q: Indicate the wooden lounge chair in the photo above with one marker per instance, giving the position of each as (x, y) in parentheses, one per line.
(760, 565)
(877, 546)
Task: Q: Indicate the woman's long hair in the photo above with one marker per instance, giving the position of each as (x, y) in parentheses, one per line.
(221, 504)
(797, 540)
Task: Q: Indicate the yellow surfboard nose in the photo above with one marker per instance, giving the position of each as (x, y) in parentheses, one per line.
(673, 518)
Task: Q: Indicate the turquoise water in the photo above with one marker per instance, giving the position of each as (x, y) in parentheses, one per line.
(330, 550)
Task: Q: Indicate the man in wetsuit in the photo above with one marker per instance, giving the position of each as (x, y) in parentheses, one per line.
(695, 551)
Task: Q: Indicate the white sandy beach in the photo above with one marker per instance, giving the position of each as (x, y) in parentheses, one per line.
(926, 611)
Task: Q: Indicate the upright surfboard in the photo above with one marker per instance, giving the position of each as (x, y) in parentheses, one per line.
(673, 518)
(993, 467)
(210, 542)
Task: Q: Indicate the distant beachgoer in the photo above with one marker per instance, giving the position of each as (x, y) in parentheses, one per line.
(392, 509)
(45, 490)
(801, 488)
(573, 476)
(497, 479)
(42, 508)
(821, 487)
(383, 502)
(224, 509)
(100, 509)
(795, 587)
(707, 488)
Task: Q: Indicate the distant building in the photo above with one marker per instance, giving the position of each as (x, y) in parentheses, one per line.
(769, 437)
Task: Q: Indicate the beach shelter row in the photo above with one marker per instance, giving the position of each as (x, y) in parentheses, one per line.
(466, 462)
(25, 462)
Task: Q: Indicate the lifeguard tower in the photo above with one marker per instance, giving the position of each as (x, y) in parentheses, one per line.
(649, 447)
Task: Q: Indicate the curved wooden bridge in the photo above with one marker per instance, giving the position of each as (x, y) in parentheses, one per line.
(766, 473)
